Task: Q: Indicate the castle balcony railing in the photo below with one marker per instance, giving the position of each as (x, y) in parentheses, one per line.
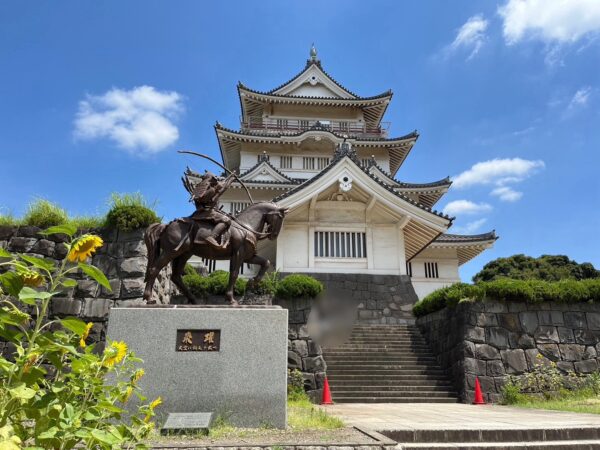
(292, 126)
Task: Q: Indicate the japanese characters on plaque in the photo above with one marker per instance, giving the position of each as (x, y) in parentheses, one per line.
(198, 340)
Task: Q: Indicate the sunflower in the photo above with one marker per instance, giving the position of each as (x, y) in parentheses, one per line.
(85, 334)
(31, 278)
(127, 395)
(84, 246)
(151, 407)
(137, 375)
(115, 353)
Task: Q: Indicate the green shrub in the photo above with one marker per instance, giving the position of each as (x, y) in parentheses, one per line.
(44, 214)
(129, 212)
(448, 296)
(87, 222)
(215, 284)
(509, 290)
(298, 286)
(295, 385)
(189, 270)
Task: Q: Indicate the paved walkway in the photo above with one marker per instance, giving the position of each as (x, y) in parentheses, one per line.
(453, 416)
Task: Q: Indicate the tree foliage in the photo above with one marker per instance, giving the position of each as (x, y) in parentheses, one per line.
(546, 267)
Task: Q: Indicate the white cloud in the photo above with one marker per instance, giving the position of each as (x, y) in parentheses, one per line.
(507, 194)
(552, 21)
(498, 172)
(468, 228)
(470, 36)
(140, 120)
(580, 98)
(466, 207)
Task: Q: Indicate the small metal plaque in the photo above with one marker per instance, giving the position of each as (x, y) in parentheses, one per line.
(198, 341)
(187, 421)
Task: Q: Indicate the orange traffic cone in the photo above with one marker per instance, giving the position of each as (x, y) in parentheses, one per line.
(478, 395)
(326, 400)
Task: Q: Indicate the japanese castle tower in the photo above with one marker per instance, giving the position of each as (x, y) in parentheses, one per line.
(322, 151)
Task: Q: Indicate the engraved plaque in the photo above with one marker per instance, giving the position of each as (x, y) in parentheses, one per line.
(187, 421)
(198, 341)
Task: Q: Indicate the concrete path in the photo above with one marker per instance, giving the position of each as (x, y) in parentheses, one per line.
(435, 416)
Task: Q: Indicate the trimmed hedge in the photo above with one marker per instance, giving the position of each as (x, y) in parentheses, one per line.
(509, 290)
(297, 286)
(292, 286)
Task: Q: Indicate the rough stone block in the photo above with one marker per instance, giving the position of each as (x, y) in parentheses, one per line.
(550, 351)
(314, 364)
(294, 361)
(65, 307)
(593, 320)
(86, 288)
(529, 321)
(21, 244)
(590, 353)
(96, 308)
(550, 318)
(572, 352)
(115, 291)
(498, 337)
(510, 321)
(300, 347)
(309, 381)
(546, 334)
(485, 351)
(514, 360)
(475, 334)
(314, 349)
(587, 366)
(575, 319)
(60, 251)
(583, 336)
(495, 307)
(132, 267)
(495, 368)
(565, 335)
(565, 366)
(43, 247)
(132, 287)
(475, 366)
(6, 232)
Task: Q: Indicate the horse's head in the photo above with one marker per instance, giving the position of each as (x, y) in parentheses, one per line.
(274, 221)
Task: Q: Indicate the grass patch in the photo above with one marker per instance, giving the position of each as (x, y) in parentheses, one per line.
(130, 211)
(303, 415)
(43, 213)
(584, 401)
(8, 220)
(87, 222)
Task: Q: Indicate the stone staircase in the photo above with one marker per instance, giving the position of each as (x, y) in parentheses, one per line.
(386, 364)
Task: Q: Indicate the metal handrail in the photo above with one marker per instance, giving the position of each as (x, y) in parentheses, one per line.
(284, 125)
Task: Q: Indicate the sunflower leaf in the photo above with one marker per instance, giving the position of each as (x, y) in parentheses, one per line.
(96, 274)
(66, 228)
(12, 282)
(28, 295)
(4, 253)
(38, 262)
(74, 324)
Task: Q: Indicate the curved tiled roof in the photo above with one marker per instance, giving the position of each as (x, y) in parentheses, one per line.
(268, 163)
(467, 238)
(444, 182)
(352, 157)
(316, 127)
(383, 95)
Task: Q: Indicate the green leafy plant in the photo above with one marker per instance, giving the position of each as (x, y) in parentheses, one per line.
(130, 212)
(43, 214)
(298, 286)
(509, 290)
(215, 283)
(295, 385)
(54, 391)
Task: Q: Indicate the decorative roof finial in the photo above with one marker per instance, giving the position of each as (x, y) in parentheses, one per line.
(313, 53)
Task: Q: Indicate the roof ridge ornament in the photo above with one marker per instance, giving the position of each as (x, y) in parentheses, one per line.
(344, 149)
(313, 53)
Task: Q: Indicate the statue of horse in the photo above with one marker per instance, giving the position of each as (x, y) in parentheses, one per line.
(177, 241)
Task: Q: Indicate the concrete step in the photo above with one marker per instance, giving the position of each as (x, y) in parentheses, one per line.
(379, 354)
(534, 445)
(478, 435)
(356, 387)
(385, 365)
(381, 394)
(394, 400)
(379, 362)
(398, 378)
(385, 384)
(333, 372)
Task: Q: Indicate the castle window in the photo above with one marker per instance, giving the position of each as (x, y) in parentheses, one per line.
(340, 244)
(286, 162)
(304, 124)
(431, 270)
(263, 157)
(366, 162)
(308, 163)
(322, 163)
(409, 269)
(236, 207)
(282, 123)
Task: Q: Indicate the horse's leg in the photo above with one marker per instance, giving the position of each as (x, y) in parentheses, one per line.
(177, 267)
(264, 264)
(234, 270)
(152, 273)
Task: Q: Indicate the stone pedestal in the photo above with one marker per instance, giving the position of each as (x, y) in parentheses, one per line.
(244, 381)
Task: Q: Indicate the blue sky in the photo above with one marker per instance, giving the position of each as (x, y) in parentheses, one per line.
(494, 83)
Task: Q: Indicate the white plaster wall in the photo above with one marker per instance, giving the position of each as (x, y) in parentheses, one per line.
(385, 247)
(447, 261)
(292, 247)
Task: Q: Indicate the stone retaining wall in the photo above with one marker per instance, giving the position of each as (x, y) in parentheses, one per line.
(380, 299)
(122, 259)
(492, 340)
